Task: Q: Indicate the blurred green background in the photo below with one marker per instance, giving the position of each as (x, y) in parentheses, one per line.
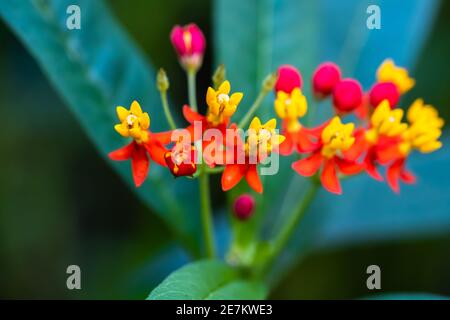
(55, 191)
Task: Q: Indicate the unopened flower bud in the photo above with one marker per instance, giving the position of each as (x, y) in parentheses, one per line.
(325, 78)
(269, 82)
(384, 91)
(219, 76)
(289, 78)
(189, 43)
(347, 95)
(244, 207)
(162, 82)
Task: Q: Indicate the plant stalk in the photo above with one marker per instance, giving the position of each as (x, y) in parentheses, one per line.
(206, 213)
(167, 112)
(191, 76)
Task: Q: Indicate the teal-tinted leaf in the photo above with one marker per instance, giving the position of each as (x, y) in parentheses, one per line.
(95, 69)
(406, 296)
(205, 280)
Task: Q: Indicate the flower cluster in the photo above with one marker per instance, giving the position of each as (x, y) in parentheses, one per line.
(212, 142)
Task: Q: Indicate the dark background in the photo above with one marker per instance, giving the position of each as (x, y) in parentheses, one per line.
(52, 215)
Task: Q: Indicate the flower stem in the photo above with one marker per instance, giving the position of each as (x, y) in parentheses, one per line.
(214, 170)
(191, 75)
(167, 112)
(206, 214)
(294, 218)
(262, 94)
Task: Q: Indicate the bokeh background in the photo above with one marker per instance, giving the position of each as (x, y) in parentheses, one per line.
(56, 193)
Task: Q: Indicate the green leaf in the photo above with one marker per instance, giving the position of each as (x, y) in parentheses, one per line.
(94, 70)
(406, 296)
(207, 280)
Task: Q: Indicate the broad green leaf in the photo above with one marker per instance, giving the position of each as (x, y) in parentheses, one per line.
(269, 33)
(206, 280)
(406, 296)
(94, 70)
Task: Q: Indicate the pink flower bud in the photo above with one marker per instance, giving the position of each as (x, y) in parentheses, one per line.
(189, 43)
(325, 78)
(347, 95)
(244, 207)
(289, 78)
(382, 91)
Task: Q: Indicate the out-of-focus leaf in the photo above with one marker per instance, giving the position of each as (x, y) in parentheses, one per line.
(406, 296)
(304, 33)
(95, 69)
(206, 280)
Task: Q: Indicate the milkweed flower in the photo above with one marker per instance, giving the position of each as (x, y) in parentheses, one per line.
(392, 82)
(135, 124)
(335, 139)
(290, 107)
(261, 141)
(422, 134)
(389, 72)
(189, 43)
(388, 141)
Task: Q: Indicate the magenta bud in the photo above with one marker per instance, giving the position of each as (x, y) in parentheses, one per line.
(384, 91)
(244, 207)
(289, 78)
(325, 78)
(189, 43)
(347, 95)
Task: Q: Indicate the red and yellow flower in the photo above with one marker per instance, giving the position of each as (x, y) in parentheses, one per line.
(335, 139)
(135, 124)
(261, 141)
(290, 106)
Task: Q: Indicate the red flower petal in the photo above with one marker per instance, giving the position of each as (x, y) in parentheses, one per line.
(408, 177)
(190, 115)
(253, 179)
(122, 154)
(349, 167)
(308, 166)
(371, 166)
(393, 175)
(287, 146)
(139, 166)
(156, 151)
(329, 177)
(232, 174)
(163, 137)
(304, 143)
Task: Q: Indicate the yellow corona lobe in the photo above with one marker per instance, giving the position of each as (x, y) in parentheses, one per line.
(389, 72)
(337, 137)
(424, 130)
(133, 123)
(385, 121)
(262, 137)
(220, 104)
(291, 107)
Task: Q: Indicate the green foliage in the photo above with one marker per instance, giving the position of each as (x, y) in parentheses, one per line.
(94, 70)
(207, 280)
